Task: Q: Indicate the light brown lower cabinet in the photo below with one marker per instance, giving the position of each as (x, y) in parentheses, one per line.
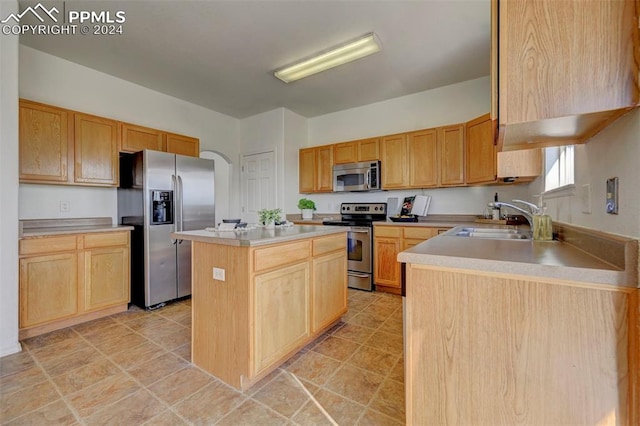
(519, 350)
(48, 288)
(66, 280)
(273, 301)
(106, 275)
(388, 241)
(328, 289)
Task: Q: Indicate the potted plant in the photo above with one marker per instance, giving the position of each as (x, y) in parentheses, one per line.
(269, 217)
(307, 207)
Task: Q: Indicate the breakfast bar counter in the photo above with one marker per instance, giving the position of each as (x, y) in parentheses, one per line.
(544, 259)
(505, 331)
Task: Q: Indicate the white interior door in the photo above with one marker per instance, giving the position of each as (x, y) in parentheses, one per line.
(258, 184)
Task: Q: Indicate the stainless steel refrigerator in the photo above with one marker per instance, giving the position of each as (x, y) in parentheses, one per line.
(160, 193)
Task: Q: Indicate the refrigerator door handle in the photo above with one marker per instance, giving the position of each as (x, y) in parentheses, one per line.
(174, 226)
(180, 204)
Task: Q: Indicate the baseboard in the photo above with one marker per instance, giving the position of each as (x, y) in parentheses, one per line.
(10, 349)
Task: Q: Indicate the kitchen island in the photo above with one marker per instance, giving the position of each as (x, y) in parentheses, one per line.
(521, 332)
(259, 296)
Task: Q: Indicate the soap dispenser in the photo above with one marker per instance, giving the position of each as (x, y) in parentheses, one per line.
(495, 212)
(542, 225)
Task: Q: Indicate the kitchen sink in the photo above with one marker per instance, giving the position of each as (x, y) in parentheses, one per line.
(492, 233)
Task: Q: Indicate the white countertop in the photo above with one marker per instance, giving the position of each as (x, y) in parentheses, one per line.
(259, 236)
(544, 259)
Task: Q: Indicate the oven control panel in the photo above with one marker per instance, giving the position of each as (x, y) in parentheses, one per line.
(364, 208)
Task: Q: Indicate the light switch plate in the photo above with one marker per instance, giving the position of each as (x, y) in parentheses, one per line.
(65, 206)
(612, 196)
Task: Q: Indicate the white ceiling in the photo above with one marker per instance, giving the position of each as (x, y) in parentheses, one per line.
(222, 54)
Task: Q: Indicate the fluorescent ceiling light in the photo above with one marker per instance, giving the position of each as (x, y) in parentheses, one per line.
(356, 49)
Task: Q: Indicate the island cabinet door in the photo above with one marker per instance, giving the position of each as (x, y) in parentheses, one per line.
(329, 289)
(281, 313)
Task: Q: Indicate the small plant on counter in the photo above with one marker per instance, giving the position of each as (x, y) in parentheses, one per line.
(268, 217)
(307, 207)
(306, 204)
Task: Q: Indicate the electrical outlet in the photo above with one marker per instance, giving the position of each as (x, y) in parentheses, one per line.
(65, 206)
(218, 274)
(585, 198)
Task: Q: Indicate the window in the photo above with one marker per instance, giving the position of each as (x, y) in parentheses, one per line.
(558, 164)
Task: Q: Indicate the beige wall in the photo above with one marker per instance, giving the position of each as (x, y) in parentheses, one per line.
(8, 188)
(456, 103)
(52, 80)
(614, 152)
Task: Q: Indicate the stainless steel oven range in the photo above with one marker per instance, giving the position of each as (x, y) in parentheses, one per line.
(359, 217)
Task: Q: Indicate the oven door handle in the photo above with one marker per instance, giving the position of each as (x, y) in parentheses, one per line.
(357, 231)
(354, 274)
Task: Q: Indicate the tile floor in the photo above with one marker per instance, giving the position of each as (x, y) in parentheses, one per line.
(134, 368)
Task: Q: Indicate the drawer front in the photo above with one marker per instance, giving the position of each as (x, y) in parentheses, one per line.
(407, 243)
(106, 239)
(47, 245)
(387, 231)
(419, 232)
(329, 244)
(284, 254)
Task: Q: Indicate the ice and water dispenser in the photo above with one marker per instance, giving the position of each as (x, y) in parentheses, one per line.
(161, 207)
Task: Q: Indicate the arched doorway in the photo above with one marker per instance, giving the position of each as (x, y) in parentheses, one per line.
(223, 171)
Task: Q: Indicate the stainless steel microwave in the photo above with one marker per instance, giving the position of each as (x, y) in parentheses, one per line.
(356, 177)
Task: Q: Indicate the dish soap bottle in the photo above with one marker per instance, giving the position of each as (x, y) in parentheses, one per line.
(495, 212)
(542, 225)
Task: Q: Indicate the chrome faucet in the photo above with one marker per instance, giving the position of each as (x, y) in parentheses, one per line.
(528, 214)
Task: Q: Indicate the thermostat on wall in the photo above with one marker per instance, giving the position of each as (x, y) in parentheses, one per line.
(612, 195)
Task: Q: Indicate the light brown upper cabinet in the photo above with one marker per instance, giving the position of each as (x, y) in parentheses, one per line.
(565, 69)
(306, 169)
(423, 159)
(44, 143)
(524, 164)
(395, 173)
(136, 138)
(95, 150)
(324, 169)
(61, 146)
(315, 169)
(183, 145)
(451, 140)
(356, 151)
(481, 150)
(345, 152)
(65, 147)
(368, 149)
(422, 149)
